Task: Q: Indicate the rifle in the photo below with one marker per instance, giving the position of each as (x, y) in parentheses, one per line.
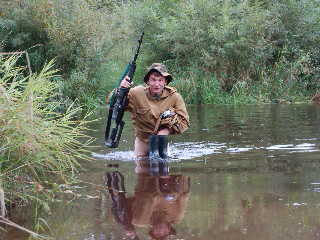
(116, 109)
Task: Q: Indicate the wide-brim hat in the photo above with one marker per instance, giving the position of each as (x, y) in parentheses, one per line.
(159, 67)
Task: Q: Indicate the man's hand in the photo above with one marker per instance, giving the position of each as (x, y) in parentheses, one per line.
(125, 82)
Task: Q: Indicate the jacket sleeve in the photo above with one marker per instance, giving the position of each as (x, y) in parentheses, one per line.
(182, 114)
(130, 102)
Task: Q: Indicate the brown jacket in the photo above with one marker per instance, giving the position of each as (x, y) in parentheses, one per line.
(145, 111)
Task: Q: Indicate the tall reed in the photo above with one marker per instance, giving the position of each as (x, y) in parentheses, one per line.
(39, 148)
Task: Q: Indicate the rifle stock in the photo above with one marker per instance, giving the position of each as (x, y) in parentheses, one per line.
(113, 134)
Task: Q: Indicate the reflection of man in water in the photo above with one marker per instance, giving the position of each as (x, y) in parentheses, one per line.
(158, 202)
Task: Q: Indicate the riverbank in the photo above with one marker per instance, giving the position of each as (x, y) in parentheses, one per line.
(40, 147)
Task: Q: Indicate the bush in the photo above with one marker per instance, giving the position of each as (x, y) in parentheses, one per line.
(78, 34)
(240, 43)
(235, 43)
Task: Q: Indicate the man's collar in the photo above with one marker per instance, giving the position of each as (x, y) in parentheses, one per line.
(166, 92)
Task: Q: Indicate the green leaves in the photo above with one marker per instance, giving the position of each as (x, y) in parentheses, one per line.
(234, 41)
(37, 144)
(242, 43)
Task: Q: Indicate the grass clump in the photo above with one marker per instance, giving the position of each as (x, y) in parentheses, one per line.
(39, 148)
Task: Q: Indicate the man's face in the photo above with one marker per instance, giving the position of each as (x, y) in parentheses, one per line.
(156, 82)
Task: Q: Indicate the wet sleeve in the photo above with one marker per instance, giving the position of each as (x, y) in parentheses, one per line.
(182, 114)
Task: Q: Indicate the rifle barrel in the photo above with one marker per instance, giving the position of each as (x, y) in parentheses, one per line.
(138, 48)
(116, 111)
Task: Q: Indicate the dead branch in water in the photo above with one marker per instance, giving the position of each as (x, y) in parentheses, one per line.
(2, 203)
(12, 224)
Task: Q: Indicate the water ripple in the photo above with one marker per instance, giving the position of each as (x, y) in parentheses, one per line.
(124, 156)
(191, 150)
(303, 147)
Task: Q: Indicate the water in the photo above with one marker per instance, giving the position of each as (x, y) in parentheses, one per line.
(239, 172)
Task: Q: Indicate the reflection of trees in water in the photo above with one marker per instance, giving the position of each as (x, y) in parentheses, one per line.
(157, 204)
(252, 206)
(262, 163)
(272, 123)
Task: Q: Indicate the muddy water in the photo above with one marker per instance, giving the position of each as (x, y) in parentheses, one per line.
(239, 172)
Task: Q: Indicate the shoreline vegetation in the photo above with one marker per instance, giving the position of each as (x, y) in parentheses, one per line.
(40, 148)
(220, 52)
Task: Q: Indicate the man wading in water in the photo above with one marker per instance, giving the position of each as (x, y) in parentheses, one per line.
(156, 110)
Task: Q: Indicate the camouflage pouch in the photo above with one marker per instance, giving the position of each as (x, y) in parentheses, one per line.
(171, 122)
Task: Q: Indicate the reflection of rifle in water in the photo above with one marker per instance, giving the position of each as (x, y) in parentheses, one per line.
(117, 106)
(121, 205)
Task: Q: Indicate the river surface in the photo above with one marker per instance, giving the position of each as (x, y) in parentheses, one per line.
(239, 172)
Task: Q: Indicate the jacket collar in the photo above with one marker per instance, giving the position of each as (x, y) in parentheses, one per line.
(167, 91)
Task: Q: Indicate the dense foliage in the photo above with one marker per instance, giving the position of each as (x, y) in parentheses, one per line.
(219, 51)
(244, 50)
